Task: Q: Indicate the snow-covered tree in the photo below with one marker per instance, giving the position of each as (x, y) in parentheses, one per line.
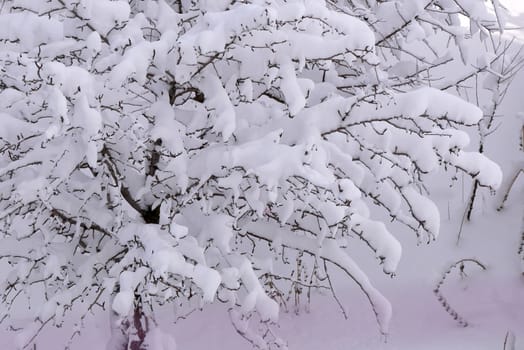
(220, 151)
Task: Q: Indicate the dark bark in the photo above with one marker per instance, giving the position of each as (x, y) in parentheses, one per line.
(472, 200)
(140, 326)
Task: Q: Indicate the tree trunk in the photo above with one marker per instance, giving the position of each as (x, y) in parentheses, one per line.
(140, 326)
(129, 333)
